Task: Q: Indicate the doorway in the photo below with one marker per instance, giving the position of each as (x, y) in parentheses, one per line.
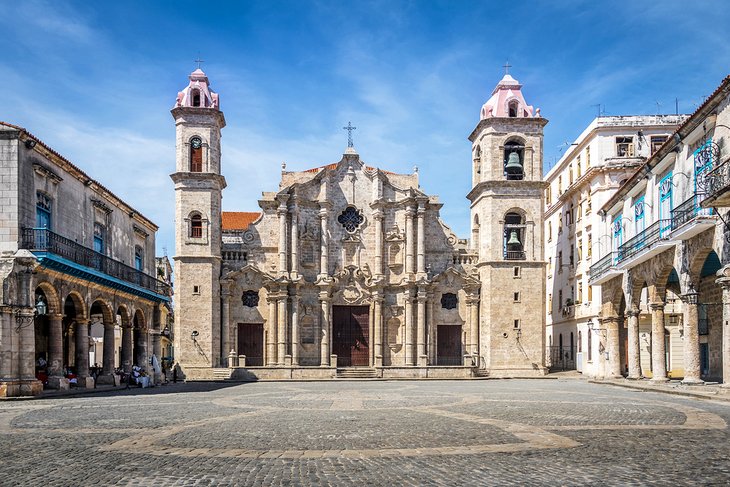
(448, 345)
(251, 343)
(350, 330)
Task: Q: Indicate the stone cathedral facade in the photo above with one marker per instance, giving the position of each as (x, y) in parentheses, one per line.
(349, 268)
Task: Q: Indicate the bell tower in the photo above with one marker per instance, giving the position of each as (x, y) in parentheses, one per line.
(198, 187)
(507, 218)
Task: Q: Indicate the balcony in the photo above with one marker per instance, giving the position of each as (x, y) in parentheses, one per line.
(514, 255)
(604, 269)
(690, 218)
(62, 254)
(717, 183)
(644, 245)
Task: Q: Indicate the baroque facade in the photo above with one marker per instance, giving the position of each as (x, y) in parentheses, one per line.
(349, 267)
(665, 282)
(80, 299)
(593, 167)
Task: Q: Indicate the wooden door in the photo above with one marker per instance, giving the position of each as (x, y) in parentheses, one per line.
(350, 330)
(448, 342)
(251, 343)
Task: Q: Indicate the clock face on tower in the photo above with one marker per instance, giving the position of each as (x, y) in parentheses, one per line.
(196, 143)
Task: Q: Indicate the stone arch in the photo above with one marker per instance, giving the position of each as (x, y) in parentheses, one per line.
(123, 313)
(139, 319)
(79, 305)
(658, 286)
(104, 307)
(697, 262)
(53, 301)
(636, 287)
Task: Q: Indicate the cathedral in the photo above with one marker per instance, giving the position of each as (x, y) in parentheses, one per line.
(347, 270)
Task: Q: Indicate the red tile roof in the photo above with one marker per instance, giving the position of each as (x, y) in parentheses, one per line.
(238, 220)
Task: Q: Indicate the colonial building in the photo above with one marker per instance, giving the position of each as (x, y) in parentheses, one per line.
(665, 295)
(78, 273)
(350, 266)
(593, 167)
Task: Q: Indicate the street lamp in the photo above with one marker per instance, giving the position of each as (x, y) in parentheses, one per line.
(691, 296)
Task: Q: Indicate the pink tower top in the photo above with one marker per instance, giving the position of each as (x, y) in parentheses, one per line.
(507, 101)
(198, 92)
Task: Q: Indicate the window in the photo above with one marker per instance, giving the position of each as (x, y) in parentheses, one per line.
(517, 324)
(250, 299)
(560, 262)
(580, 249)
(43, 210)
(703, 162)
(570, 174)
(656, 141)
(665, 204)
(513, 237)
(560, 298)
(196, 226)
(572, 255)
(516, 297)
(588, 204)
(351, 218)
(196, 98)
(196, 289)
(513, 108)
(516, 271)
(138, 258)
(580, 342)
(589, 249)
(588, 157)
(577, 167)
(449, 301)
(639, 220)
(560, 185)
(590, 293)
(550, 231)
(548, 196)
(196, 154)
(550, 267)
(569, 215)
(579, 216)
(579, 298)
(590, 346)
(550, 303)
(624, 147)
(560, 225)
(99, 234)
(513, 160)
(617, 231)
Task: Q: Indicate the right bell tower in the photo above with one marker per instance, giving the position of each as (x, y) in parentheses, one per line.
(507, 209)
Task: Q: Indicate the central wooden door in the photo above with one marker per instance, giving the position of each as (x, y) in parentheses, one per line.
(251, 343)
(448, 342)
(350, 330)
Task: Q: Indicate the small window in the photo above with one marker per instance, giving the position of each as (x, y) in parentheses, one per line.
(351, 218)
(516, 297)
(196, 226)
(513, 108)
(656, 142)
(517, 324)
(516, 271)
(196, 154)
(138, 258)
(550, 304)
(196, 98)
(196, 289)
(588, 157)
(624, 147)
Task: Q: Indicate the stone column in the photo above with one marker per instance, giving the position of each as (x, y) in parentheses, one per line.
(421, 241)
(421, 329)
(613, 347)
(55, 345)
(126, 348)
(271, 333)
(378, 328)
(473, 303)
(409, 355)
(658, 352)
(409, 240)
(431, 330)
(634, 345)
(294, 244)
(691, 341)
(108, 358)
(283, 272)
(26, 351)
(281, 329)
(144, 360)
(725, 283)
(378, 217)
(324, 249)
(295, 329)
(226, 345)
(82, 348)
(325, 332)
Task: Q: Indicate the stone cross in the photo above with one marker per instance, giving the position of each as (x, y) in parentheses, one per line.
(349, 129)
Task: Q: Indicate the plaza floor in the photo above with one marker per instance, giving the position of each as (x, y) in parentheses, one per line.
(529, 432)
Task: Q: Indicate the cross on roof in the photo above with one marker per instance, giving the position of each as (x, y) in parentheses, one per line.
(198, 61)
(349, 129)
(506, 67)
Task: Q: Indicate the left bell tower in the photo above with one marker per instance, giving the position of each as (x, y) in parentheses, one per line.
(198, 190)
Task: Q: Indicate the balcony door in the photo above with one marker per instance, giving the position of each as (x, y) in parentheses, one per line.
(665, 205)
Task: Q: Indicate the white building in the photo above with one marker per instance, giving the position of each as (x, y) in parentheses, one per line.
(605, 155)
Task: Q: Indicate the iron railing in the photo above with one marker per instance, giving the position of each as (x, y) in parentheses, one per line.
(644, 239)
(44, 240)
(602, 265)
(560, 358)
(689, 210)
(514, 255)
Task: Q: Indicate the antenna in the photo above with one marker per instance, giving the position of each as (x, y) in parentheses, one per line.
(658, 107)
(676, 106)
(598, 106)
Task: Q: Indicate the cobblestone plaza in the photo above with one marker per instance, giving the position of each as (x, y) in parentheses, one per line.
(553, 432)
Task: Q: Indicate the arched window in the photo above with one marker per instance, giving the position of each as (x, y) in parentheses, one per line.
(196, 226)
(580, 341)
(196, 154)
(513, 108)
(475, 233)
(513, 237)
(138, 258)
(514, 160)
(196, 98)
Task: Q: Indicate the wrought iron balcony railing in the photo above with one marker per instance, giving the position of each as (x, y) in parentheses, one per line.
(658, 230)
(602, 265)
(514, 255)
(689, 210)
(44, 240)
(717, 180)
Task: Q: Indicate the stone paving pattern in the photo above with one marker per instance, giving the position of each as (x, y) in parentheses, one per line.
(538, 432)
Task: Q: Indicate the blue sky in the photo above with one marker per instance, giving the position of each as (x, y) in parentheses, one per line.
(96, 81)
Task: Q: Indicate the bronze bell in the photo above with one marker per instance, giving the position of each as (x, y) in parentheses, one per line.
(513, 240)
(514, 166)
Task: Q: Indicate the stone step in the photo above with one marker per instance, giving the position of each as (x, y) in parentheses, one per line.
(482, 373)
(357, 373)
(221, 374)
